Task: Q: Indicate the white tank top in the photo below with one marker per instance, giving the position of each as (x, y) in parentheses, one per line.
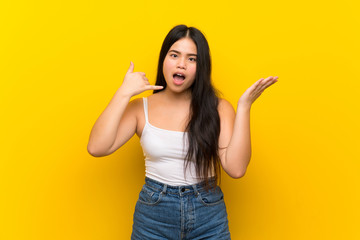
(165, 152)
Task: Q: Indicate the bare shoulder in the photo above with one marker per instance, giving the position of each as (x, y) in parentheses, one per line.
(134, 109)
(225, 108)
(135, 104)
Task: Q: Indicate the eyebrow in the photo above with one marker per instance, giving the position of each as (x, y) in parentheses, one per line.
(189, 54)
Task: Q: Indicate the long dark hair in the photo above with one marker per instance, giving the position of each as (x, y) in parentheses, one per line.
(204, 125)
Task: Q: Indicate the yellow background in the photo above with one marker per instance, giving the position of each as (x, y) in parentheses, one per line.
(62, 61)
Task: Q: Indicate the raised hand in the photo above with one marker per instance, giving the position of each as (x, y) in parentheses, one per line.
(136, 82)
(253, 92)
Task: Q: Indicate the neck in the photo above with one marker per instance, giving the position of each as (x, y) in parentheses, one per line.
(177, 97)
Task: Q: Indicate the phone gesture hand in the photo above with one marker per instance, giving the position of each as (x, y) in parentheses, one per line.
(136, 82)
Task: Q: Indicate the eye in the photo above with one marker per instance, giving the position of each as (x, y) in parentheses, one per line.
(173, 55)
(192, 59)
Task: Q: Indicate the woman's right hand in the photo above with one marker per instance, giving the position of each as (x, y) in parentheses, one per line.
(136, 82)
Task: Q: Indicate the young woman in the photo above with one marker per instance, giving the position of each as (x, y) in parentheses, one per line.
(187, 134)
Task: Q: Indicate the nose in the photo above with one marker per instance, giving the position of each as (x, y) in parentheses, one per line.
(181, 63)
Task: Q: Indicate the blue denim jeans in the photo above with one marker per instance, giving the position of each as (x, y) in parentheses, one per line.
(165, 212)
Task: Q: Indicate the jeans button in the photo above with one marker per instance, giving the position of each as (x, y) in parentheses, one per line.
(183, 189)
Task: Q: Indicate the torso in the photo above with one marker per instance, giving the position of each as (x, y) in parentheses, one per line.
(163, 114)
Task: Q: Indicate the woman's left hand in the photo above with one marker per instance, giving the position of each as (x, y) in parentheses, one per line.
(253, 92)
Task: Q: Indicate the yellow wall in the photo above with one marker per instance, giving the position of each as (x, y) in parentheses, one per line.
(61, 62)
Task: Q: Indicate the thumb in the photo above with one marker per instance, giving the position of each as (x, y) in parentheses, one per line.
(131, 68)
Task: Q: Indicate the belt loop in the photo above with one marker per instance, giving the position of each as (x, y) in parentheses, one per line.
(164, 189)
(195, 190)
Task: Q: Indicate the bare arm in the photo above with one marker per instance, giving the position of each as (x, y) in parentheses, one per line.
(236, 132)
(103, 133)
(234, 140)
(117, 123)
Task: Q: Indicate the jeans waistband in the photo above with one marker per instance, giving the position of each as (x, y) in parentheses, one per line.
(194, 188)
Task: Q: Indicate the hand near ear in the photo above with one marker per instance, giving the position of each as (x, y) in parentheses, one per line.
(252, 93)
(136, 82)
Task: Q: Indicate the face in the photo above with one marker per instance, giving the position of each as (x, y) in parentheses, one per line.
(179, 66)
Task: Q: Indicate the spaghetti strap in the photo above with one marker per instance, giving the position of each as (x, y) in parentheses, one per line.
(145, 109)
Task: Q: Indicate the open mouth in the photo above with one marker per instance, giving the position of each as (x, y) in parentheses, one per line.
(178, 78)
